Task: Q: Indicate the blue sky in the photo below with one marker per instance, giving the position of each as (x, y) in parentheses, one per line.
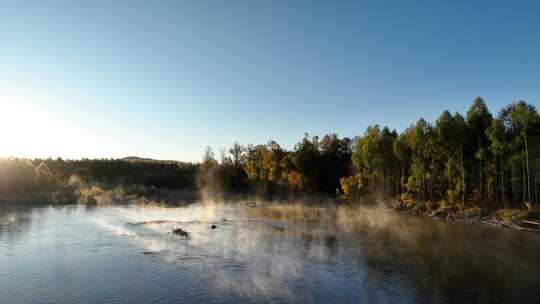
(164, 79)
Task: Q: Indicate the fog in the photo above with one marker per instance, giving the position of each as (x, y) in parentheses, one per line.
(293, 250)
(265, 246)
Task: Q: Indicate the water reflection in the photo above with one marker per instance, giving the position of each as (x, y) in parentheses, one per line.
(14, 220)
(277, 253)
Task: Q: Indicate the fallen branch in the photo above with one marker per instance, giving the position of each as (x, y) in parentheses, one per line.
(530, 222)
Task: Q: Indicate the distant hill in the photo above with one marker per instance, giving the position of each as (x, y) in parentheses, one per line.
(136, 159)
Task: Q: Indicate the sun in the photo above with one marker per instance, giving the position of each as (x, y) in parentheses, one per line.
(28, 129)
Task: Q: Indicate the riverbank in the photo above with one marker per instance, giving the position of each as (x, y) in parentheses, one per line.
(515, 218)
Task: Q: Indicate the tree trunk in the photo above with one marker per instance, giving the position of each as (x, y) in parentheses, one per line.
(534, 183)
(480, 178)
(462, 175)
(512, 175)
(534, 173)
(424, 178)
(402, 178)
(527, 160)
(502, 177)
(495, 188)
(524, 180)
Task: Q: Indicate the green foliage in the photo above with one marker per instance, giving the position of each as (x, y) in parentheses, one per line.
(477, 160)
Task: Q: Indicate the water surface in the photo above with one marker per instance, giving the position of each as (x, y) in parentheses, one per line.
(275, 254)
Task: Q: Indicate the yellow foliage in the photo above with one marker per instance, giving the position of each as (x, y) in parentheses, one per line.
(294, 179)
(352, 186)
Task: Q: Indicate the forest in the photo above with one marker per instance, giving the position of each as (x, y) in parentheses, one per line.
(477, 159)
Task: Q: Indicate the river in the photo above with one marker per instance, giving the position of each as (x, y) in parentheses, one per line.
(258, 253)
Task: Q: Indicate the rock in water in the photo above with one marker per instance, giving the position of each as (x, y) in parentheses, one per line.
(180, 232)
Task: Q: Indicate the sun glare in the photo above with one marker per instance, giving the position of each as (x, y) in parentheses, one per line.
(30, 130)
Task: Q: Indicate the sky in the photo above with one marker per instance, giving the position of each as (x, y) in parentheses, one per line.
(165, 79)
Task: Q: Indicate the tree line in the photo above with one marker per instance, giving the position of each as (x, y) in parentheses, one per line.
(480, 159)
(24, 176)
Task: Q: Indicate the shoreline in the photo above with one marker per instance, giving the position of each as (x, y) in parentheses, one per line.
(513, 218)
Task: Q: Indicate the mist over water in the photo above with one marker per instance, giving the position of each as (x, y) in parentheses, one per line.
(259, 252)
